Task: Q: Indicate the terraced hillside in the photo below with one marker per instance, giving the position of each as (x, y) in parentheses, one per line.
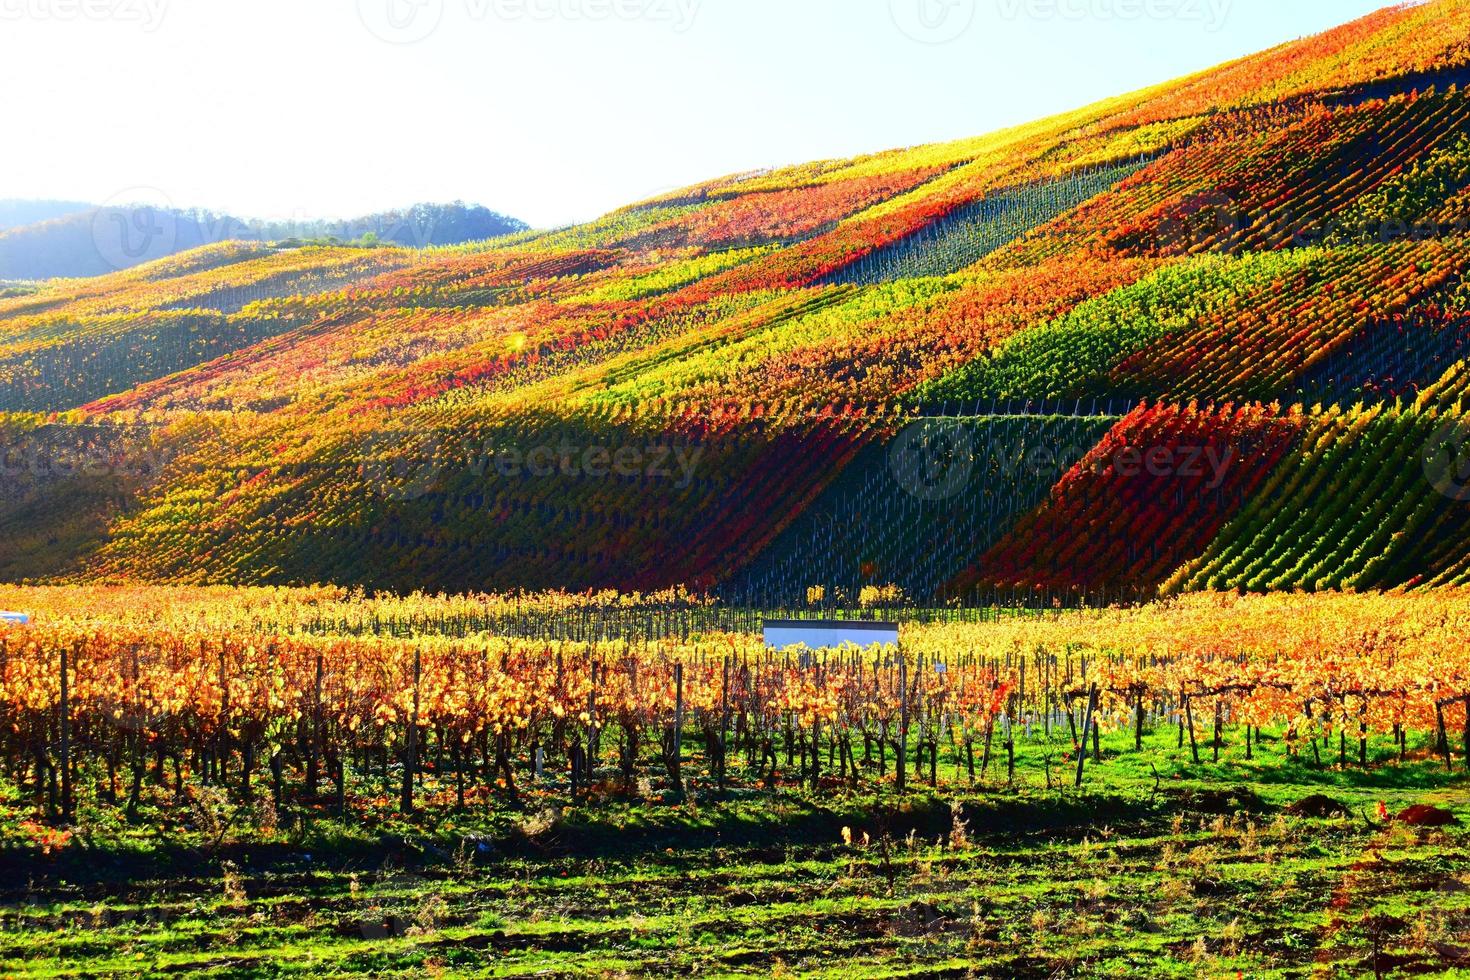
(1211, 334)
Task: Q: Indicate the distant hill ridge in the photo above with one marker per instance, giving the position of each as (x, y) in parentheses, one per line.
(18, 214)
(46, 239)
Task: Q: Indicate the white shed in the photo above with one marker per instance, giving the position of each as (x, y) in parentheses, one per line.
(817, 634)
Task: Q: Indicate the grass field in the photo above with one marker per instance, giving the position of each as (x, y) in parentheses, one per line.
(1159, 867)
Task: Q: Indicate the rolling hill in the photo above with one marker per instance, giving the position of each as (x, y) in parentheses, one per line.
(18, 214)
(51, 240)
(1210, 334)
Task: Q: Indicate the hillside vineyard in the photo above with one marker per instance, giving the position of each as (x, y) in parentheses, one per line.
(419, 607)
(1208, 336)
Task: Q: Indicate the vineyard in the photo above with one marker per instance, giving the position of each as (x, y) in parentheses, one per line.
(266, 718)
(906, 371)
(383, 610)
(150, 692)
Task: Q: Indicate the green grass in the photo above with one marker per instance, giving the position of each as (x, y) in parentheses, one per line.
(1195, 873)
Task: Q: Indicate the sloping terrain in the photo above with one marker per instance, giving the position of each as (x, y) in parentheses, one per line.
(720, 387)
(58, 239)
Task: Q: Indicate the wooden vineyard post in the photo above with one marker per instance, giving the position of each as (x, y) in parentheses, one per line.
(313, 772)
(589, 759)
(1179, 716)
(1046, 695)
(790, 725)
(1072, 722)
(66, 795)
(1021, 702)
(223, 736)
(816, 751)
(821, 672)
(1189, 718)
(1363, 734)
(1138, 722)
(919, 748)
(675, 778)
(339, 779)
(985, 753)
(1312, 736)
(903, 720)
(1467, 732)
(411, 743)
(724, 724)
(1219, 729)
(1444, 738)
(1086, 727)
(1010, 741)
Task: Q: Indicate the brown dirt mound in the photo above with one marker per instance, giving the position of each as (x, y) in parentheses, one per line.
(1218, 802)
(1453, 955)
(1427, 816)
(1318, 806)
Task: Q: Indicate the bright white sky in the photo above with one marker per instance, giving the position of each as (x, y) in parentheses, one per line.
(552, 110)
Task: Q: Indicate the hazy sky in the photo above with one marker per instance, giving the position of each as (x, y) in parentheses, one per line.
(552, 110)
